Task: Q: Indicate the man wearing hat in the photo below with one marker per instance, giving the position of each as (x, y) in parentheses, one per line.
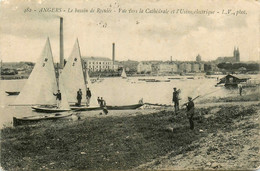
(58, 98)
(175, 99)
(79, 97)
(190, 112)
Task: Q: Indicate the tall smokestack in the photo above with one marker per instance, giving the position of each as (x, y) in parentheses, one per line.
(171, 58)
(113, 53)
(61, 44)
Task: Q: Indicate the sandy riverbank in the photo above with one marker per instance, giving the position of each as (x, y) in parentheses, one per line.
(225, 137)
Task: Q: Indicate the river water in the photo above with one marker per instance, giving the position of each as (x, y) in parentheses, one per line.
(118, 91)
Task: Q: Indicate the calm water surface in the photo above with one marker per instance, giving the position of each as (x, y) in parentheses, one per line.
(117, 91)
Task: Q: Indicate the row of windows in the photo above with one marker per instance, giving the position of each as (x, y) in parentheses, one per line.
(99, 63)
(99, 67)
(93, 69)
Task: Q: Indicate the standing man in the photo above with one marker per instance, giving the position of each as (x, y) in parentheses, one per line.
(58, 98)
(88, 94)
(99, 102)
(240, 87)
(190, 112)
(79, 97)
(175, 99)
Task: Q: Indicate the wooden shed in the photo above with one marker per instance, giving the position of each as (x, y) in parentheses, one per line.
(233, 80)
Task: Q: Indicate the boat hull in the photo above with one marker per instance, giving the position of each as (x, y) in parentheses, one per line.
(35, 119)
(49, 109)
(126, 107)
(84, 108)
(12, 93)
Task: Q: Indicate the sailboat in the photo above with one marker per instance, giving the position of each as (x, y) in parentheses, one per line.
(123, 75)
(42, 83)
(75, 79)
(64, 105)
(73, 76)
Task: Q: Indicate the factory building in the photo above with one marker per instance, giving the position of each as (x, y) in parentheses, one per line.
(99, 64)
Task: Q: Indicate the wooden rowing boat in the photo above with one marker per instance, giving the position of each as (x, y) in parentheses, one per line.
(126, 107)
(12, 93)
(49, 109)
(84, 108)
(89, 108)
(37, 118)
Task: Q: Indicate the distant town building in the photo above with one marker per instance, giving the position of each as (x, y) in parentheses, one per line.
(195, 67)
(181, 67)
(201, 67)
(188, 67)
(184, 67)
(168, 67)
(234, 58)
(99, 64)
(144, 67)
(198, 58)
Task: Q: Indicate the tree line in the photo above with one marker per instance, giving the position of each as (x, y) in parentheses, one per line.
(237, 66)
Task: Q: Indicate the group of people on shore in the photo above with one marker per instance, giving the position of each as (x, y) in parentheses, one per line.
(175, 99)
(101, 101)
(79, 96)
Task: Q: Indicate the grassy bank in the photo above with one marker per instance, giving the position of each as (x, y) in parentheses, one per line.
(117, 142)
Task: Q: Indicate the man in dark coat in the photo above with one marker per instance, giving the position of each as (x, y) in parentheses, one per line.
(88, 96)
(98, 100)
(79, 97)
(240, 87)
(190, 112)
(175, 99)
(58, 98)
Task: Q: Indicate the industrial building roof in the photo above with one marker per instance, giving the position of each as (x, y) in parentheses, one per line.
(96, 58)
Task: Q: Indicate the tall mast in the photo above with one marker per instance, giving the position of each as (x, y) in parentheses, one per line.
(61, 44)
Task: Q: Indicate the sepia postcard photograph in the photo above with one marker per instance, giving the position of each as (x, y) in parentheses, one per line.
(129, 85)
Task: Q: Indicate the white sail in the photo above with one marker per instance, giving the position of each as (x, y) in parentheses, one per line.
(42, 83)
(123, 75)
(64, 99)
(72, 75)
(88, 81)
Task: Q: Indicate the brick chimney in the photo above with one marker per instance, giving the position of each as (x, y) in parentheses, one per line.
(113, 53)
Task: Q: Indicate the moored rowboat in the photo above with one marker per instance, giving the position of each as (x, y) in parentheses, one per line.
(125, 107)
(49, 109)
(34, 119)
(84, 108)
(12, 93)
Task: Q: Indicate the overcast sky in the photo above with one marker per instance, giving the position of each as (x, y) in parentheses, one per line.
(137, 36)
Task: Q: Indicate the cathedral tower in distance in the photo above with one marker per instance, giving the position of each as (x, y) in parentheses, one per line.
(236, 54)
